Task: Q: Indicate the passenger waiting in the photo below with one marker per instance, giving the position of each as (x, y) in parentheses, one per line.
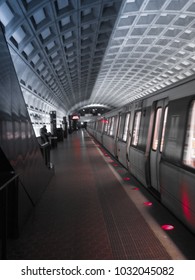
(44, 134)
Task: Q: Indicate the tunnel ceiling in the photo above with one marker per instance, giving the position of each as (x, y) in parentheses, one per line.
(101, 52)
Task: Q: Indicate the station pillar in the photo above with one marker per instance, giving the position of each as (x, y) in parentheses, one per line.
(53, 122)
(65, 127)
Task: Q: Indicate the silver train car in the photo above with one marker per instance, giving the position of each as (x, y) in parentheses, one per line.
(154, 138)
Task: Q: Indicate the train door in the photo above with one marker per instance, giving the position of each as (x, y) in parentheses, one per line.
(161, 110)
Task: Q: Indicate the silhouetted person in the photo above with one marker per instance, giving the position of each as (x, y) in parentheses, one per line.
(44, 134)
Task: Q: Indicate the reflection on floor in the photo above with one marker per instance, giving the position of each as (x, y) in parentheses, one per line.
(85, 213)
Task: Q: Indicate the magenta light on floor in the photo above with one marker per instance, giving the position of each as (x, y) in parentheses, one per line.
(126, 179)
(167, 227)
(148, 203)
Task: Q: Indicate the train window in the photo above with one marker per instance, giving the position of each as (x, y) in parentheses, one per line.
(121, 126)
(163, 129)
(136, 128)
(189, 148)
(156, 129)
(109, 124)
(99, 126)
(127, 118)
(112, 126)
(106, 126)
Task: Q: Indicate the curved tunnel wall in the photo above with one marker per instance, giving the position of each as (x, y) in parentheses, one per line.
(17, 138)
(38, 96)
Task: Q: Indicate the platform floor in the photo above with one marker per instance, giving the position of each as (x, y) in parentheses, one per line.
(90, 210)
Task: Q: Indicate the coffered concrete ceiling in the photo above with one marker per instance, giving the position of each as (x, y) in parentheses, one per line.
(75, 53)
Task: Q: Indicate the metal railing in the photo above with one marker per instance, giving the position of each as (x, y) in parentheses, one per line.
(4, 221)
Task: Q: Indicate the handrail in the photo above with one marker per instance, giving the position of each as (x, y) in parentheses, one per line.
(8, 182)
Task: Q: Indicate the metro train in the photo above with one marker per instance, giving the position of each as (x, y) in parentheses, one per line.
(154, 138)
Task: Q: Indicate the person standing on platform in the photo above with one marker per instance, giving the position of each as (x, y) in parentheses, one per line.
(44, 134)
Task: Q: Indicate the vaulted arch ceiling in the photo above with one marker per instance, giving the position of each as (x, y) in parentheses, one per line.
(80, 52)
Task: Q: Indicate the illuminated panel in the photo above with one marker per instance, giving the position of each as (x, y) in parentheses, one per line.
(104, 121)
(75, 117)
